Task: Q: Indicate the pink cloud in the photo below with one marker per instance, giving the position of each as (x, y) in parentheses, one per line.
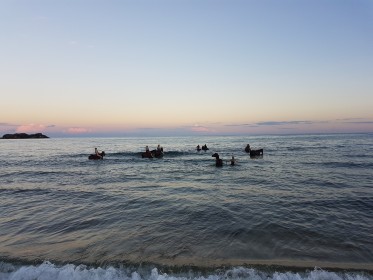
(198, 128)
(27, 128)
(78, 130)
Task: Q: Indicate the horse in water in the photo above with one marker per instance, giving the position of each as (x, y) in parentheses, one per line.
(99, 156)
(253, 153)
(153, 154)
(218, 161)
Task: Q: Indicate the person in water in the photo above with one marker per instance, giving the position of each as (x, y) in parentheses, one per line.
(147, 152)
(198, 148)
(97, 153)
(233, 161)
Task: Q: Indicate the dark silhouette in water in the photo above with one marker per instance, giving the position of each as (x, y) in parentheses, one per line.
(253, 153)
(218, 161)
(233, 161)
(147, 154)
(152, 154)
(204, 147)
(97, 156)
(198, 148)
(158, 153)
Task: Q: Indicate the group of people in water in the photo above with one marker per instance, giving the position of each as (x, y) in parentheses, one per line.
(158, 153)
(159, 148)
(204, 147)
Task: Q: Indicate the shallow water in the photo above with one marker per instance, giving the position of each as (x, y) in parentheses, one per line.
(307, 202)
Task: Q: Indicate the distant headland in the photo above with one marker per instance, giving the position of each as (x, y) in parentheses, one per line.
(24, 136)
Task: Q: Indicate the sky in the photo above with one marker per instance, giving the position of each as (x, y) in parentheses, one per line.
(72, 68)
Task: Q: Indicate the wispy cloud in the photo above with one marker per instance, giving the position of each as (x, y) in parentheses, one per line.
(31, 128)
(8, 124)
(243, 124)
(149, 128)
(288, 128)
(361, 122)
(78, 130)
(206, 127)
(272, 123)
(347, 120)
(28, 128)
(199, 128)
(356, 120)
(350, 119)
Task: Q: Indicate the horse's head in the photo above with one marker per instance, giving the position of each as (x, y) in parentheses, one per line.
(218, 161)
(216, 155)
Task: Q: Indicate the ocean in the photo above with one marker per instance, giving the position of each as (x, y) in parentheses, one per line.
(304, 210)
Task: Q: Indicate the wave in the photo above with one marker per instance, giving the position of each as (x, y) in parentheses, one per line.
(48, 270)
(138, 154)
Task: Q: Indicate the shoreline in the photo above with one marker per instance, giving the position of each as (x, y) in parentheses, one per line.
(209, 265)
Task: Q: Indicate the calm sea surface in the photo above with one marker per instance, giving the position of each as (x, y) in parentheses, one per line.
(307, 203)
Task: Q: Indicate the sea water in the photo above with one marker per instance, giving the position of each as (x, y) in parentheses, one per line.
(302, 211)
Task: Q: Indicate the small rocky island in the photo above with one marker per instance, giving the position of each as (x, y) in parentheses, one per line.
(24, 136)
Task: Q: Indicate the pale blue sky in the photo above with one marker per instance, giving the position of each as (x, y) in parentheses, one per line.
(185, 67)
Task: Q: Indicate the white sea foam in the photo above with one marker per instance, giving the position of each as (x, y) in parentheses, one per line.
(49, 271)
